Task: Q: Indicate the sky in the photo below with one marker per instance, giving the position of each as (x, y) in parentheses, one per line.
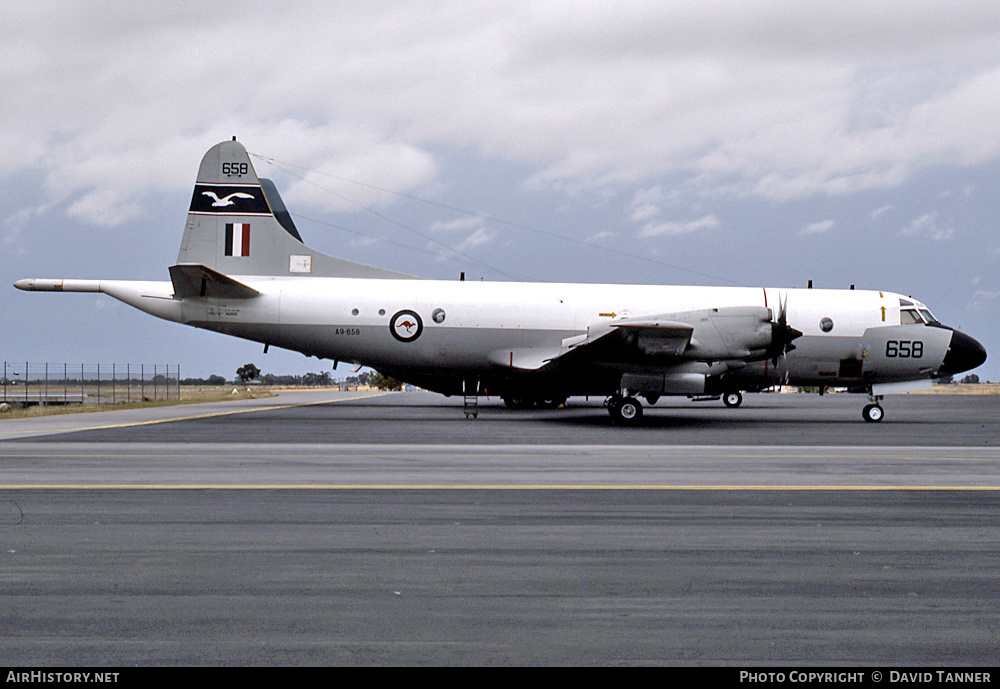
(762, 143)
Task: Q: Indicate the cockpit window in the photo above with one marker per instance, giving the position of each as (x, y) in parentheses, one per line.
(911, 312)
(908, 316)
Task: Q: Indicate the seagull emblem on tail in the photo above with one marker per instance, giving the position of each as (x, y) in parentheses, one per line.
(225, 200)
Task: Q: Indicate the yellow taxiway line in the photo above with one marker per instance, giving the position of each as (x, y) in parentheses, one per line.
(484, 486)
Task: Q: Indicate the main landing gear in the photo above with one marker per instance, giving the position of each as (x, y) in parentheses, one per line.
(519, 402)
(732, 399)
(624, 410)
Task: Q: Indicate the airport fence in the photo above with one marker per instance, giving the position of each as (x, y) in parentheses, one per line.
(27, 384)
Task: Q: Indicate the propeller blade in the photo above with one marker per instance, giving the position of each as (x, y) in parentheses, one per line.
(782, 334)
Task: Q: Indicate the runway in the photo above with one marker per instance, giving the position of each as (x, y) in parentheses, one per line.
(312, 529)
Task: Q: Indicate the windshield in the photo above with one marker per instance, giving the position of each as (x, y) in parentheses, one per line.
(910, 315)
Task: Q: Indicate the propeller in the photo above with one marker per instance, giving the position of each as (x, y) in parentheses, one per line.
(782, 334)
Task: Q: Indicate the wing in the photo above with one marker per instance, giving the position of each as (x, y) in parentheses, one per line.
(739, 333)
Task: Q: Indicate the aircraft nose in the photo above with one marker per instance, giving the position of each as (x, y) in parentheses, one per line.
(964, 353)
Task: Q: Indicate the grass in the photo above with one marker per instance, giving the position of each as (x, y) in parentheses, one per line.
(188, 396)
(966, 389)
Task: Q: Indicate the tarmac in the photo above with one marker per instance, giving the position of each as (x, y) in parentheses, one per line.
(320, 528)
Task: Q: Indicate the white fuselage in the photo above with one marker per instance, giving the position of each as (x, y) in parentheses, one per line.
(494, 328)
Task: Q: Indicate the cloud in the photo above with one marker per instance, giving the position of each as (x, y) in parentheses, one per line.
(671, 228)
(472, 228)
(780, 100)
(818, 227)
(646, 203)
(983, 300)
(471, 222)
(645, 212)
(927, 226)
(476, 239)
(349, 180)
(598, 236)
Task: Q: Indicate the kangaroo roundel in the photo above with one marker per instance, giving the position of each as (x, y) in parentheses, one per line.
(406, 326)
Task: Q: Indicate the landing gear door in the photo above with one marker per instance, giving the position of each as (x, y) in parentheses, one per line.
(904, 351)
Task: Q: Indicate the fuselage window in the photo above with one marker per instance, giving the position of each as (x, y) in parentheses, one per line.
(909, 317)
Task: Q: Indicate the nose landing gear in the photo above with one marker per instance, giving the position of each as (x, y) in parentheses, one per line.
(873, 413)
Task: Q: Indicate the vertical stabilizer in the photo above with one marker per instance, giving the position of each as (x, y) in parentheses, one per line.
(238, 225)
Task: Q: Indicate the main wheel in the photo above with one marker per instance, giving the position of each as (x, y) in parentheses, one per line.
(626, 411)
(873, 413)
(732, 399)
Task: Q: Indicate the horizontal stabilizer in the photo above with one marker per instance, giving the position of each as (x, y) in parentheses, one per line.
(193, 280)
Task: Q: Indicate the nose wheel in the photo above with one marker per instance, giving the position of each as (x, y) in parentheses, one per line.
(873, 413)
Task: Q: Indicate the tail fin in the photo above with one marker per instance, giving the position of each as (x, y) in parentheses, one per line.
(238, 225)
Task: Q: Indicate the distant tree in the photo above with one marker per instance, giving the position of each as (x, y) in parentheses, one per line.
(247, 372)
(284, 379)
(363, 378)
(971, 378)
(314, 379)
(211, 380)
(384, 382)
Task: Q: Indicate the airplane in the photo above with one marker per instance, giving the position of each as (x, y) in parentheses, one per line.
(243, 270)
